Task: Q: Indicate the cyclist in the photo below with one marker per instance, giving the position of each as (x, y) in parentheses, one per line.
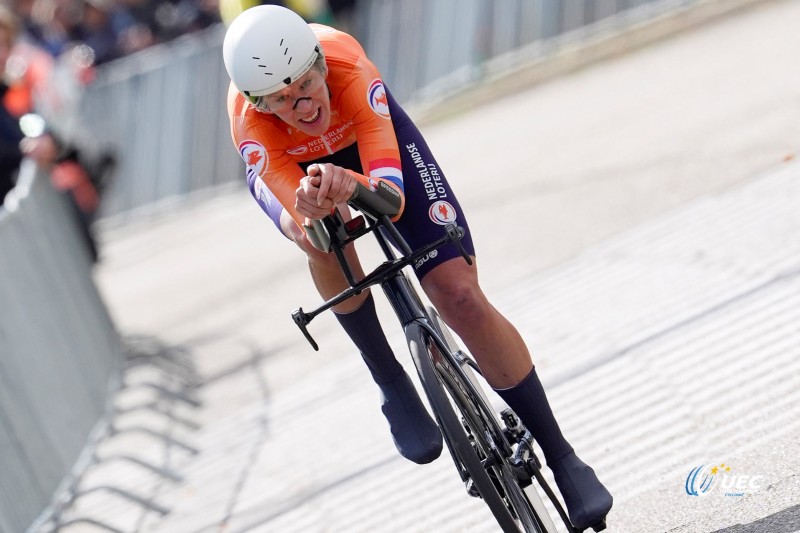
(311, 117)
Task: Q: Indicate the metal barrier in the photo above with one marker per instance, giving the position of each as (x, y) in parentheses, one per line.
(163, 112)
(164, 109)
(425, 49)
(59, 352)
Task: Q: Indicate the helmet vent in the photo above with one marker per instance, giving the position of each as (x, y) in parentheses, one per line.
(262, 66)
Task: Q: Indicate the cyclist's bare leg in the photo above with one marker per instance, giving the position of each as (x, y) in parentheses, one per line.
(325, 269)
(493, 341)
(506, 364)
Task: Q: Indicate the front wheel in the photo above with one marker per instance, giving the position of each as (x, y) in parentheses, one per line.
(458, 441)
(458, 378)
(478, 450)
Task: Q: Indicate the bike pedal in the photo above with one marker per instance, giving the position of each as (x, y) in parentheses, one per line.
(600, 526)
(523, 478)
(472, 490)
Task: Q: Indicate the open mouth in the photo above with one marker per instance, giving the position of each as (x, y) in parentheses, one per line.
(313, 119)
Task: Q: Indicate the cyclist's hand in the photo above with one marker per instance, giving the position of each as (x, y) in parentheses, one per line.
(336, 183)
(306, 197)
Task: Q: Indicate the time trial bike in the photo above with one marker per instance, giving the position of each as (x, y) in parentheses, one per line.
(491, 448)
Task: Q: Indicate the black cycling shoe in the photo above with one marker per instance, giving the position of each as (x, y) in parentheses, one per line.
(415, 434)
(587, 500)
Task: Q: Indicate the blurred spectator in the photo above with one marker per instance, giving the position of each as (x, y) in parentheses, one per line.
(110, 30)
(168, 19)
(107, 27)
(10, 133)
(34, 85)
(179, 17)
(13, 144)
(144, 12)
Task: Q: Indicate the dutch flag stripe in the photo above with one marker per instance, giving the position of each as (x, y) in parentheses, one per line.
(386, 168)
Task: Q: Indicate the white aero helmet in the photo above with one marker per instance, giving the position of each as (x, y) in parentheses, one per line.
(266, 48)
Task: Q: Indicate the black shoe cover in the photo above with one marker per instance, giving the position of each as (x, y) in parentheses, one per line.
(587, 500)
(415, 434)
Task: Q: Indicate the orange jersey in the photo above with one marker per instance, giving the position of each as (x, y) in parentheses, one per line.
(273, 150)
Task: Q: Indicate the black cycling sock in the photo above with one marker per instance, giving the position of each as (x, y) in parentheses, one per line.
(364, 329)
(529, 402)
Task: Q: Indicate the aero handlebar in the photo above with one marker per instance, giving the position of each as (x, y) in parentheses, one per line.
(383, 201)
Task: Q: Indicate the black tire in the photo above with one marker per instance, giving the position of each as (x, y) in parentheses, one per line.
(455, 436)
(482, 422)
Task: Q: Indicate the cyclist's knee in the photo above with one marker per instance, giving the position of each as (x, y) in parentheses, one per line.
(460, 300)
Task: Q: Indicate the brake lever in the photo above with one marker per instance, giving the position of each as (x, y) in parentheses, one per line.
(302, 320)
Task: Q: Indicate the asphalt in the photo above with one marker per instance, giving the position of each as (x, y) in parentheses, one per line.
(637, 220)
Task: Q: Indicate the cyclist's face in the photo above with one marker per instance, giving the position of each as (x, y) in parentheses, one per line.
(305, 104)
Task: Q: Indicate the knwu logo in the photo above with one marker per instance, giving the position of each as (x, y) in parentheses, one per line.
(376, 97)
(704, 479)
